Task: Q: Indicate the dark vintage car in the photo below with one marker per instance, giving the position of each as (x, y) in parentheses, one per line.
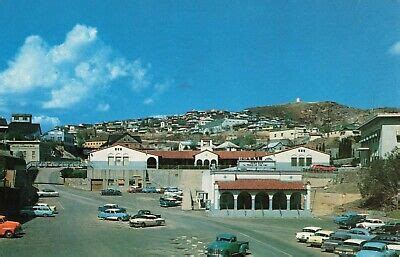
(110, 191)
(392, 228)
(349, 248)
(146, 212)
(169, 202)
(349, 220)
(227, 245)
(110, 206)
(336, 239)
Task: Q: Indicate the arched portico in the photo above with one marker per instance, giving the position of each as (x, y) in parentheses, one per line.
(261, 201)
(226, 201)
(244, 201)
(279, 201)
(295, 201)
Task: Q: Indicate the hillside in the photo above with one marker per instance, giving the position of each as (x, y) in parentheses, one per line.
(325, 115)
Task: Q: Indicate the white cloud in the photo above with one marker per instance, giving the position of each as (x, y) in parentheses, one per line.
(46, 121)
(148, 101)
(395, 48)
(103, 107)
(71, 71)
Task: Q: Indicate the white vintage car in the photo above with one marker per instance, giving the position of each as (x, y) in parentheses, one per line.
(146, 221)
(319, 237)
(47, 193)
(306, 233)
(370, 224)
(52, 207)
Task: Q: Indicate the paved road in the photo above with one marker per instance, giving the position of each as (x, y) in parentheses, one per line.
(76, 231)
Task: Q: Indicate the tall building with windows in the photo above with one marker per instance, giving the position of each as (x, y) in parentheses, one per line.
(379, 137)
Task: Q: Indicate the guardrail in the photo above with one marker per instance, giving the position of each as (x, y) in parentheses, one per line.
(58, 164)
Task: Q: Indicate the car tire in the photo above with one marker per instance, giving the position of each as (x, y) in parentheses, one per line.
(142, 225)
(119, 219)
(8, 234)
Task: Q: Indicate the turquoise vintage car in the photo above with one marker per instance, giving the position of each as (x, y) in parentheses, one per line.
(375, 249)
(37, 210)
(227, 245)
(113, 214)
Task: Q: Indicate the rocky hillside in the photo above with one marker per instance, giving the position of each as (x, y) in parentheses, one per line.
(325, 115)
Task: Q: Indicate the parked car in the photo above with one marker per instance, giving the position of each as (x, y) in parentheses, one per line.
(322, 168)
(150, 189)
(375, 249)
(110, 191)
(349, 248)
(392, 228)
(169, 202)
(370, 224)
(110, 206)
(52, 207)
(349, 219)
(392, 241)
(146, 221)
(39, 211)
(146, 212)
(319, 237)
(113, 214)
(227, 245)
(47, 192)
(360, 233)
(134, 189)
(334, 241)
(9, 229)
(306, 233)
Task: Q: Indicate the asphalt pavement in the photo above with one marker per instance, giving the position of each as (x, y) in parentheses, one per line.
(76, 231)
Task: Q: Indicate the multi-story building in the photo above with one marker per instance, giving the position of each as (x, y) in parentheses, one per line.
(60, 136)
(291, 134)
(29, 150)
(379, 137)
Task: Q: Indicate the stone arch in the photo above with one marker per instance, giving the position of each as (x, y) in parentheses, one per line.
(295, 201)
(226, 201)
(206, 162)
(199, 163)
(244, 201)
(279, 201)
(262, 201)
(151, 163)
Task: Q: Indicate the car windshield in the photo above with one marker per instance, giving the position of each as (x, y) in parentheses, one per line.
(308, 230)
(372, 248)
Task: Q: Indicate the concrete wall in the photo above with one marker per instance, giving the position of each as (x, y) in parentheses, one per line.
(79, 183)
(388, 141)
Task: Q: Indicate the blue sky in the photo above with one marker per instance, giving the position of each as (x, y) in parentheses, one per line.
(74, 62)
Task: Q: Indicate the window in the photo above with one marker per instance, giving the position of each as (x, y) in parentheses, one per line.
(294, 161)
(308, 161)
(33, 155)
(125, 160)
(398, 138)
(110, 160)
(118, 161)
(301, 161)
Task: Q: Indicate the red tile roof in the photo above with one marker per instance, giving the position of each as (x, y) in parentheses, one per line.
(240, 154)
(224, 155)
(260, 184)
(174, 154)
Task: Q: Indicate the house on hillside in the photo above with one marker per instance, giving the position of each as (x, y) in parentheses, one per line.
(379, 137)
(21, 127)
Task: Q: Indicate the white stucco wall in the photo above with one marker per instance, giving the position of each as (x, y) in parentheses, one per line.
(388, 141)
(205, 155)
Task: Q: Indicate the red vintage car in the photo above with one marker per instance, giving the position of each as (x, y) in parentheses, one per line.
(322, 168)
(9, 229)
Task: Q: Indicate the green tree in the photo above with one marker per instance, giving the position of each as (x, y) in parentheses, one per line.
(379, 182)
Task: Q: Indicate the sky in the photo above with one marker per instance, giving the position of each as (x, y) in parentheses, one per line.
(91, 61)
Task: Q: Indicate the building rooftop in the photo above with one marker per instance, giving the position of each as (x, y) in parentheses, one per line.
(380, 116)
(260, 184)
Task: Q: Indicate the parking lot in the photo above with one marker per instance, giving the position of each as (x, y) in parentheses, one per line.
(76, 230)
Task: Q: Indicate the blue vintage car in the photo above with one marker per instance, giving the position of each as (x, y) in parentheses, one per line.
(360, 233)
(113, 214)
(37, 210)
(375, 249)
(150, 189)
